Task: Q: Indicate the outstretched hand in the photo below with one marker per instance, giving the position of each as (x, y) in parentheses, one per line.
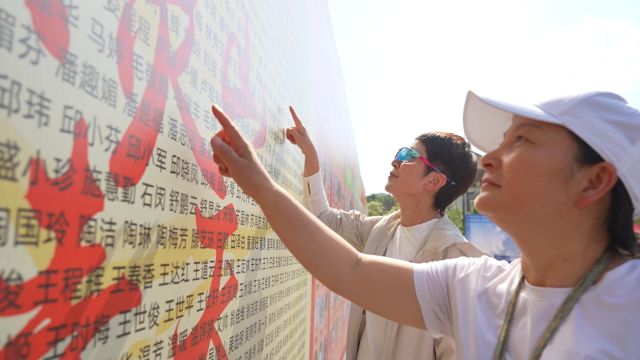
(237, 159)
(298, 134)
(385, 286)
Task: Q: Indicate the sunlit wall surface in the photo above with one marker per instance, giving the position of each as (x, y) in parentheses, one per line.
(118, 237)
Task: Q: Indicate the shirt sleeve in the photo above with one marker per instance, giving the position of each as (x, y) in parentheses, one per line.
(314, 197)
(354, 226)
(432, 281)
(452, 286)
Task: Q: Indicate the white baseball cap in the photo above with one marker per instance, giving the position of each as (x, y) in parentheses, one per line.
(603, 120)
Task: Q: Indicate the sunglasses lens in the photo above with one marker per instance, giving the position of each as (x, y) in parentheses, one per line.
(405, 154)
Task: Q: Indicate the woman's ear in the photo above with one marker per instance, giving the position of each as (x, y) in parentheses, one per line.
(434, 181)
(598, 180)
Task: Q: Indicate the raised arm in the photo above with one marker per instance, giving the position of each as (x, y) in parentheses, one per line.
(352, 226)
(299, 136)
(382, 285)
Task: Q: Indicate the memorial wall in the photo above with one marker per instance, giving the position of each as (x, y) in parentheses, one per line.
(118, 237)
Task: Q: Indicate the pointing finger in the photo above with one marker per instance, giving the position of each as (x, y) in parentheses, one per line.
(296, 119)
(231, 133)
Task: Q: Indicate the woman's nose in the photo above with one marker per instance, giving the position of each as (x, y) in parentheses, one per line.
(489, 160)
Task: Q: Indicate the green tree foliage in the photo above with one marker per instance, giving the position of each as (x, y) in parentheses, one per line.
(381, 204)
(374, 208)
(456, 216)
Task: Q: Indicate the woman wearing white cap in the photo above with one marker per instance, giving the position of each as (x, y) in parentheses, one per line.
(562, 178)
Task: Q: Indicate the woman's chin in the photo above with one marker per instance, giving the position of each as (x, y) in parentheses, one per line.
(482, 204)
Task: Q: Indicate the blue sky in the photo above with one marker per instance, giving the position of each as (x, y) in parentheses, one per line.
(408, 64)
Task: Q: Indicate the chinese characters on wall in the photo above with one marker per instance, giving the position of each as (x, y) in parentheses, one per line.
(118, 237)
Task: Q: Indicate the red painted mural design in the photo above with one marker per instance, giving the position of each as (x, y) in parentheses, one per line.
(71, 200)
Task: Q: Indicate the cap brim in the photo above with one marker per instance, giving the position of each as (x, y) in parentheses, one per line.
(485, 120)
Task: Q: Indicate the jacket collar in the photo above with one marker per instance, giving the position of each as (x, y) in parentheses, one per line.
(443, 234)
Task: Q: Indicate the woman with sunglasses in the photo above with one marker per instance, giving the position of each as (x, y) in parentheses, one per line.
(422, 181)
(562, 178)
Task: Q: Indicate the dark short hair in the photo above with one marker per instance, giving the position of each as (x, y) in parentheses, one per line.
(453, 156)
(619, 221)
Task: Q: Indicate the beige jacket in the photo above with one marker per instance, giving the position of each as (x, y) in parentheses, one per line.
(371, 235)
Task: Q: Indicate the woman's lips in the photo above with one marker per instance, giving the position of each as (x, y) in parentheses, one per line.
(487, 183)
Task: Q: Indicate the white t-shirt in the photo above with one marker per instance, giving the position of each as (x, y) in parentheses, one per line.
(467, 298)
